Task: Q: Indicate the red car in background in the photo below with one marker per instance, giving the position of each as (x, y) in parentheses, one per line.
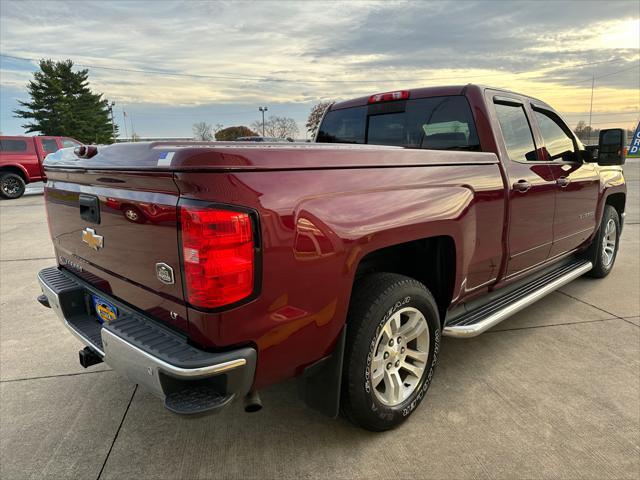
(21, 160)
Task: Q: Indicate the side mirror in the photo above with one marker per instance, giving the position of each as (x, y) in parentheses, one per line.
(589, 154)
(611, 146)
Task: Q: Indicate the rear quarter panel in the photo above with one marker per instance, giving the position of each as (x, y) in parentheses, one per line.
(317, 225)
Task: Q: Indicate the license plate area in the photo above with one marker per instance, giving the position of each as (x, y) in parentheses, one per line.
(105, 311)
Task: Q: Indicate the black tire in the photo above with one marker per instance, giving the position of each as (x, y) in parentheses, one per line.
(374, 301)
(602, 266)
(11, 185)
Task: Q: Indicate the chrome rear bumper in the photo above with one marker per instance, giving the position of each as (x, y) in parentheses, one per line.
(148, 353)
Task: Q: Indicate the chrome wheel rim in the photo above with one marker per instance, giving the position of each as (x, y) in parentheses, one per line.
(400, 356)
(609, 243)
(10, 186)
(131, 215)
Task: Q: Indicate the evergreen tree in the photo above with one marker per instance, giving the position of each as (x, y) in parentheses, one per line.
(62, 104)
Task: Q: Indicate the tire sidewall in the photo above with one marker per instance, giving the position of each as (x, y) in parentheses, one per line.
(419, 299)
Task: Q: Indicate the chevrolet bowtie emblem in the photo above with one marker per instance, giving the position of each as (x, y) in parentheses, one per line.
(90, 238)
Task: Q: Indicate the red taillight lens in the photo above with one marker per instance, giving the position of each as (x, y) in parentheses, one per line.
(389, 96)
(218, 254)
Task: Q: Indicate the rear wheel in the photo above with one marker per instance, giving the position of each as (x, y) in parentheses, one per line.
(393, 338)
(604, 249)
(11, 185)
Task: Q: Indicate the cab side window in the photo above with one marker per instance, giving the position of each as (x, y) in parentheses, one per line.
(49, 145)
(66, 143)
(13, 146)
(516, 132)
(558, 144)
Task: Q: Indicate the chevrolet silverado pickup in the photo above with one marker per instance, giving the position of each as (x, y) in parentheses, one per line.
(21, 161)
(341, 263)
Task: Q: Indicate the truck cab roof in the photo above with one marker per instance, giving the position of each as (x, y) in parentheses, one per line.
(436, 91)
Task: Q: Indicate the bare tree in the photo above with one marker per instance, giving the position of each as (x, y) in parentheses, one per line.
(202, 131)
(217, 127)
(278, 127)
(315, 117)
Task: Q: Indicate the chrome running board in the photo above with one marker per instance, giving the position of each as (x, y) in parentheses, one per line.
(479, 320)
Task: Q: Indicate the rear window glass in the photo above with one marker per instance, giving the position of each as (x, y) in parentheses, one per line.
(49, 145)
(13, 145)
(439, 123)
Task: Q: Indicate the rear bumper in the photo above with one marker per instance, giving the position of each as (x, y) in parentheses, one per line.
(189, 380)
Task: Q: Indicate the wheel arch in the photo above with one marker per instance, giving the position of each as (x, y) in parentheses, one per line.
(17, 169)
(431, 261)
(618, 201)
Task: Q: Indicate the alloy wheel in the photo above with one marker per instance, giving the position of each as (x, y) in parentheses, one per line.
(609, 242)
(10, 186)
(400, 356)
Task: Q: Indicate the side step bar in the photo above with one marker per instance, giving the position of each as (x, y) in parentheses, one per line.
(477, 321)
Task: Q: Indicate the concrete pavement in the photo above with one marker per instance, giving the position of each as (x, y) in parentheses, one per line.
(553, 392)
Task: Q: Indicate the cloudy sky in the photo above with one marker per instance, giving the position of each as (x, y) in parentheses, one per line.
(170, 64)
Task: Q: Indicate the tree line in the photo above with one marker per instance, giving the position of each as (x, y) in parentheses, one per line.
(274, 127)
(590, 135)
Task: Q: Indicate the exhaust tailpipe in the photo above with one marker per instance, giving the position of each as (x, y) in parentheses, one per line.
(252, 402)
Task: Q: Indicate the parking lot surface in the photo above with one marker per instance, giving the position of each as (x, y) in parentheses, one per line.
(553, 392)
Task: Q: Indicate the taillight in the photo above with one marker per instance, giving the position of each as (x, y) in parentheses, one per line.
(389, 96)
(218, 254)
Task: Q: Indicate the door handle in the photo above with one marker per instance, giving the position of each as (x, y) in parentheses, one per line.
(521, 186)
(563, 181)
(89, 208)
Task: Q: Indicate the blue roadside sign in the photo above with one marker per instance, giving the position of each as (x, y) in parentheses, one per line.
(634, 146)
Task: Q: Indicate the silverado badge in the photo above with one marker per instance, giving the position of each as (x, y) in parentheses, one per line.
(90, 237)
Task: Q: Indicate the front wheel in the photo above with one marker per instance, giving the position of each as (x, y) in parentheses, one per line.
(393, 339)
(11, 185)
(604, 249)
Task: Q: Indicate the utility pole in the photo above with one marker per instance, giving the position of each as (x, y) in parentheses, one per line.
(126, 132)
(133, 132)
(593, 83)
(113, 123)
(262, 109)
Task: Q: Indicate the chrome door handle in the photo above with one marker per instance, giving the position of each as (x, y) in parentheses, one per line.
(563, 181)
(521, 186)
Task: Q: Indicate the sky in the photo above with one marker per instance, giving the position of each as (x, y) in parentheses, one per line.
(170, 64)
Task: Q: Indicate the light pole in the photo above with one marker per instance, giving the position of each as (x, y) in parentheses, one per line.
(593, 84)
(262, 109)
(113, 123)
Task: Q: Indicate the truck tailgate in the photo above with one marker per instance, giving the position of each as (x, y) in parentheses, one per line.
(117, 230)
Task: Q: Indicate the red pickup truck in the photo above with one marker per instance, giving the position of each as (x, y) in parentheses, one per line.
(21, 161)
(418, 213)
